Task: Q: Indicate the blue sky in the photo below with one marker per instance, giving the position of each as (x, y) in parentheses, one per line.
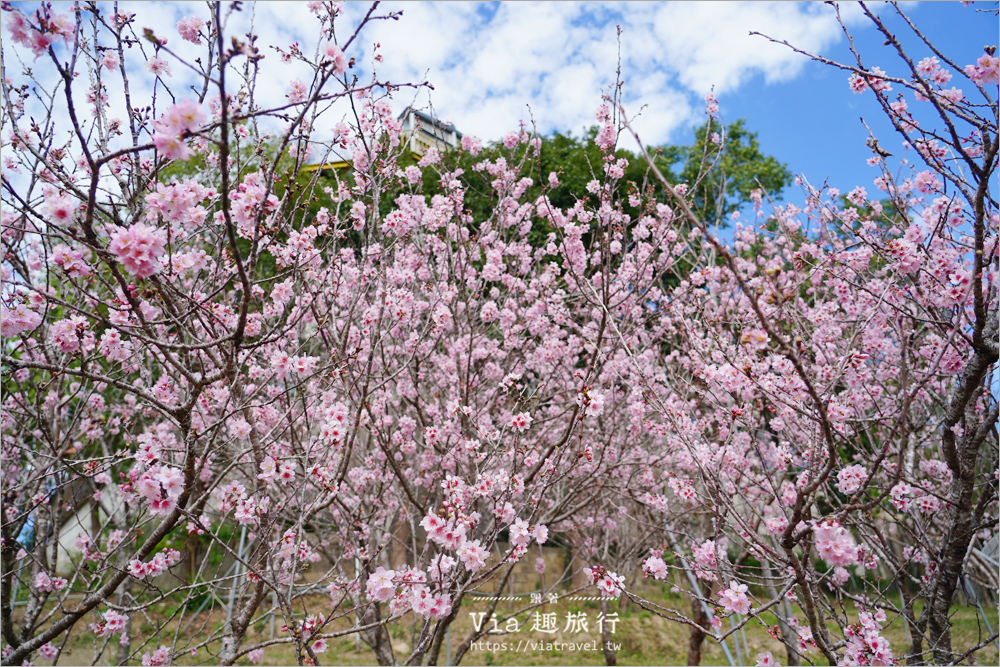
(563, 56)
(490, 63)
(812, 122)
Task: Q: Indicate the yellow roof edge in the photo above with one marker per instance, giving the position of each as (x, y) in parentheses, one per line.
(340, 164)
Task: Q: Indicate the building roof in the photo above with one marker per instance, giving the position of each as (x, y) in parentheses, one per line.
(427, 118)
(338, 165)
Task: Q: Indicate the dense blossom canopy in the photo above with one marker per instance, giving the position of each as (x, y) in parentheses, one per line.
(208, 348)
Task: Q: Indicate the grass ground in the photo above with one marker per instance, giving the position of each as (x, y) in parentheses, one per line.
(643, 638)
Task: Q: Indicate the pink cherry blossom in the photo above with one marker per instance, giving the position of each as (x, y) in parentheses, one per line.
(851, 478)
(519, 535)
(71, 261)
(72, 335)
(297, 91)
(335, 57)
(110, 60)
(17, 320)
(61, 208)
(346, 368)
(171, 146)
(472, 555)
(156, 658)
(185, 115)
(189, 27)
(48, 651)
(138, 248)
(611, 584)
(734, 599)
(766, 660)
(521, 422)
(655, 567)
(834, 544)
(158, 67)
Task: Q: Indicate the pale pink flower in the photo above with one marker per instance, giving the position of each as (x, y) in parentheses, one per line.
(110, 60)
(71, 261)
(171, 146)
(113, 347)
(138, 248)
(519, 534)
(239, 427)
(606, 137)
(158, 67)
(520, 422)
(60, 208)
(268, 470)
(851, 478)
(335, 57)
(834, 544)
(655, 567)
(381, 586)
(189, 27)
(297, 91)
(611, 585)
(64, 26)
(472, 144)
(114, 620)
(986, 70)
(158, 657)
(705, 559)
(17, 320)
(185, 116)
(899, 496)
(858, 84)
(43, 583)
(734, 598)
(776, 525)
(766, 660)
(72, 335)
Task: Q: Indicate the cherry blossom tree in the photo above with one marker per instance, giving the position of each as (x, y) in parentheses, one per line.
(201, 353)
(833, 408)
(371, 404)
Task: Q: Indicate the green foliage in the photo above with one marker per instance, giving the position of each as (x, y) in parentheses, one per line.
(578, 161)
(722, 183)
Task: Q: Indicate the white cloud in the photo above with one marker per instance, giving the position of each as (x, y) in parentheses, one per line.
(709, 44)
(487, 64)
(494, 65)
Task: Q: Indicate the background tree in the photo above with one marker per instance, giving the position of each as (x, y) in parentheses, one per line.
(404, 382)
(722, 179)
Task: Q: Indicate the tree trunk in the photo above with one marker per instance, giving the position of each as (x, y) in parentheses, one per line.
(125, 598)
(789, 635)
(915, 652)
(240, 623)
(378, 640)
(440, 632)
(961, 453)
(610, 658)
(697, 636)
